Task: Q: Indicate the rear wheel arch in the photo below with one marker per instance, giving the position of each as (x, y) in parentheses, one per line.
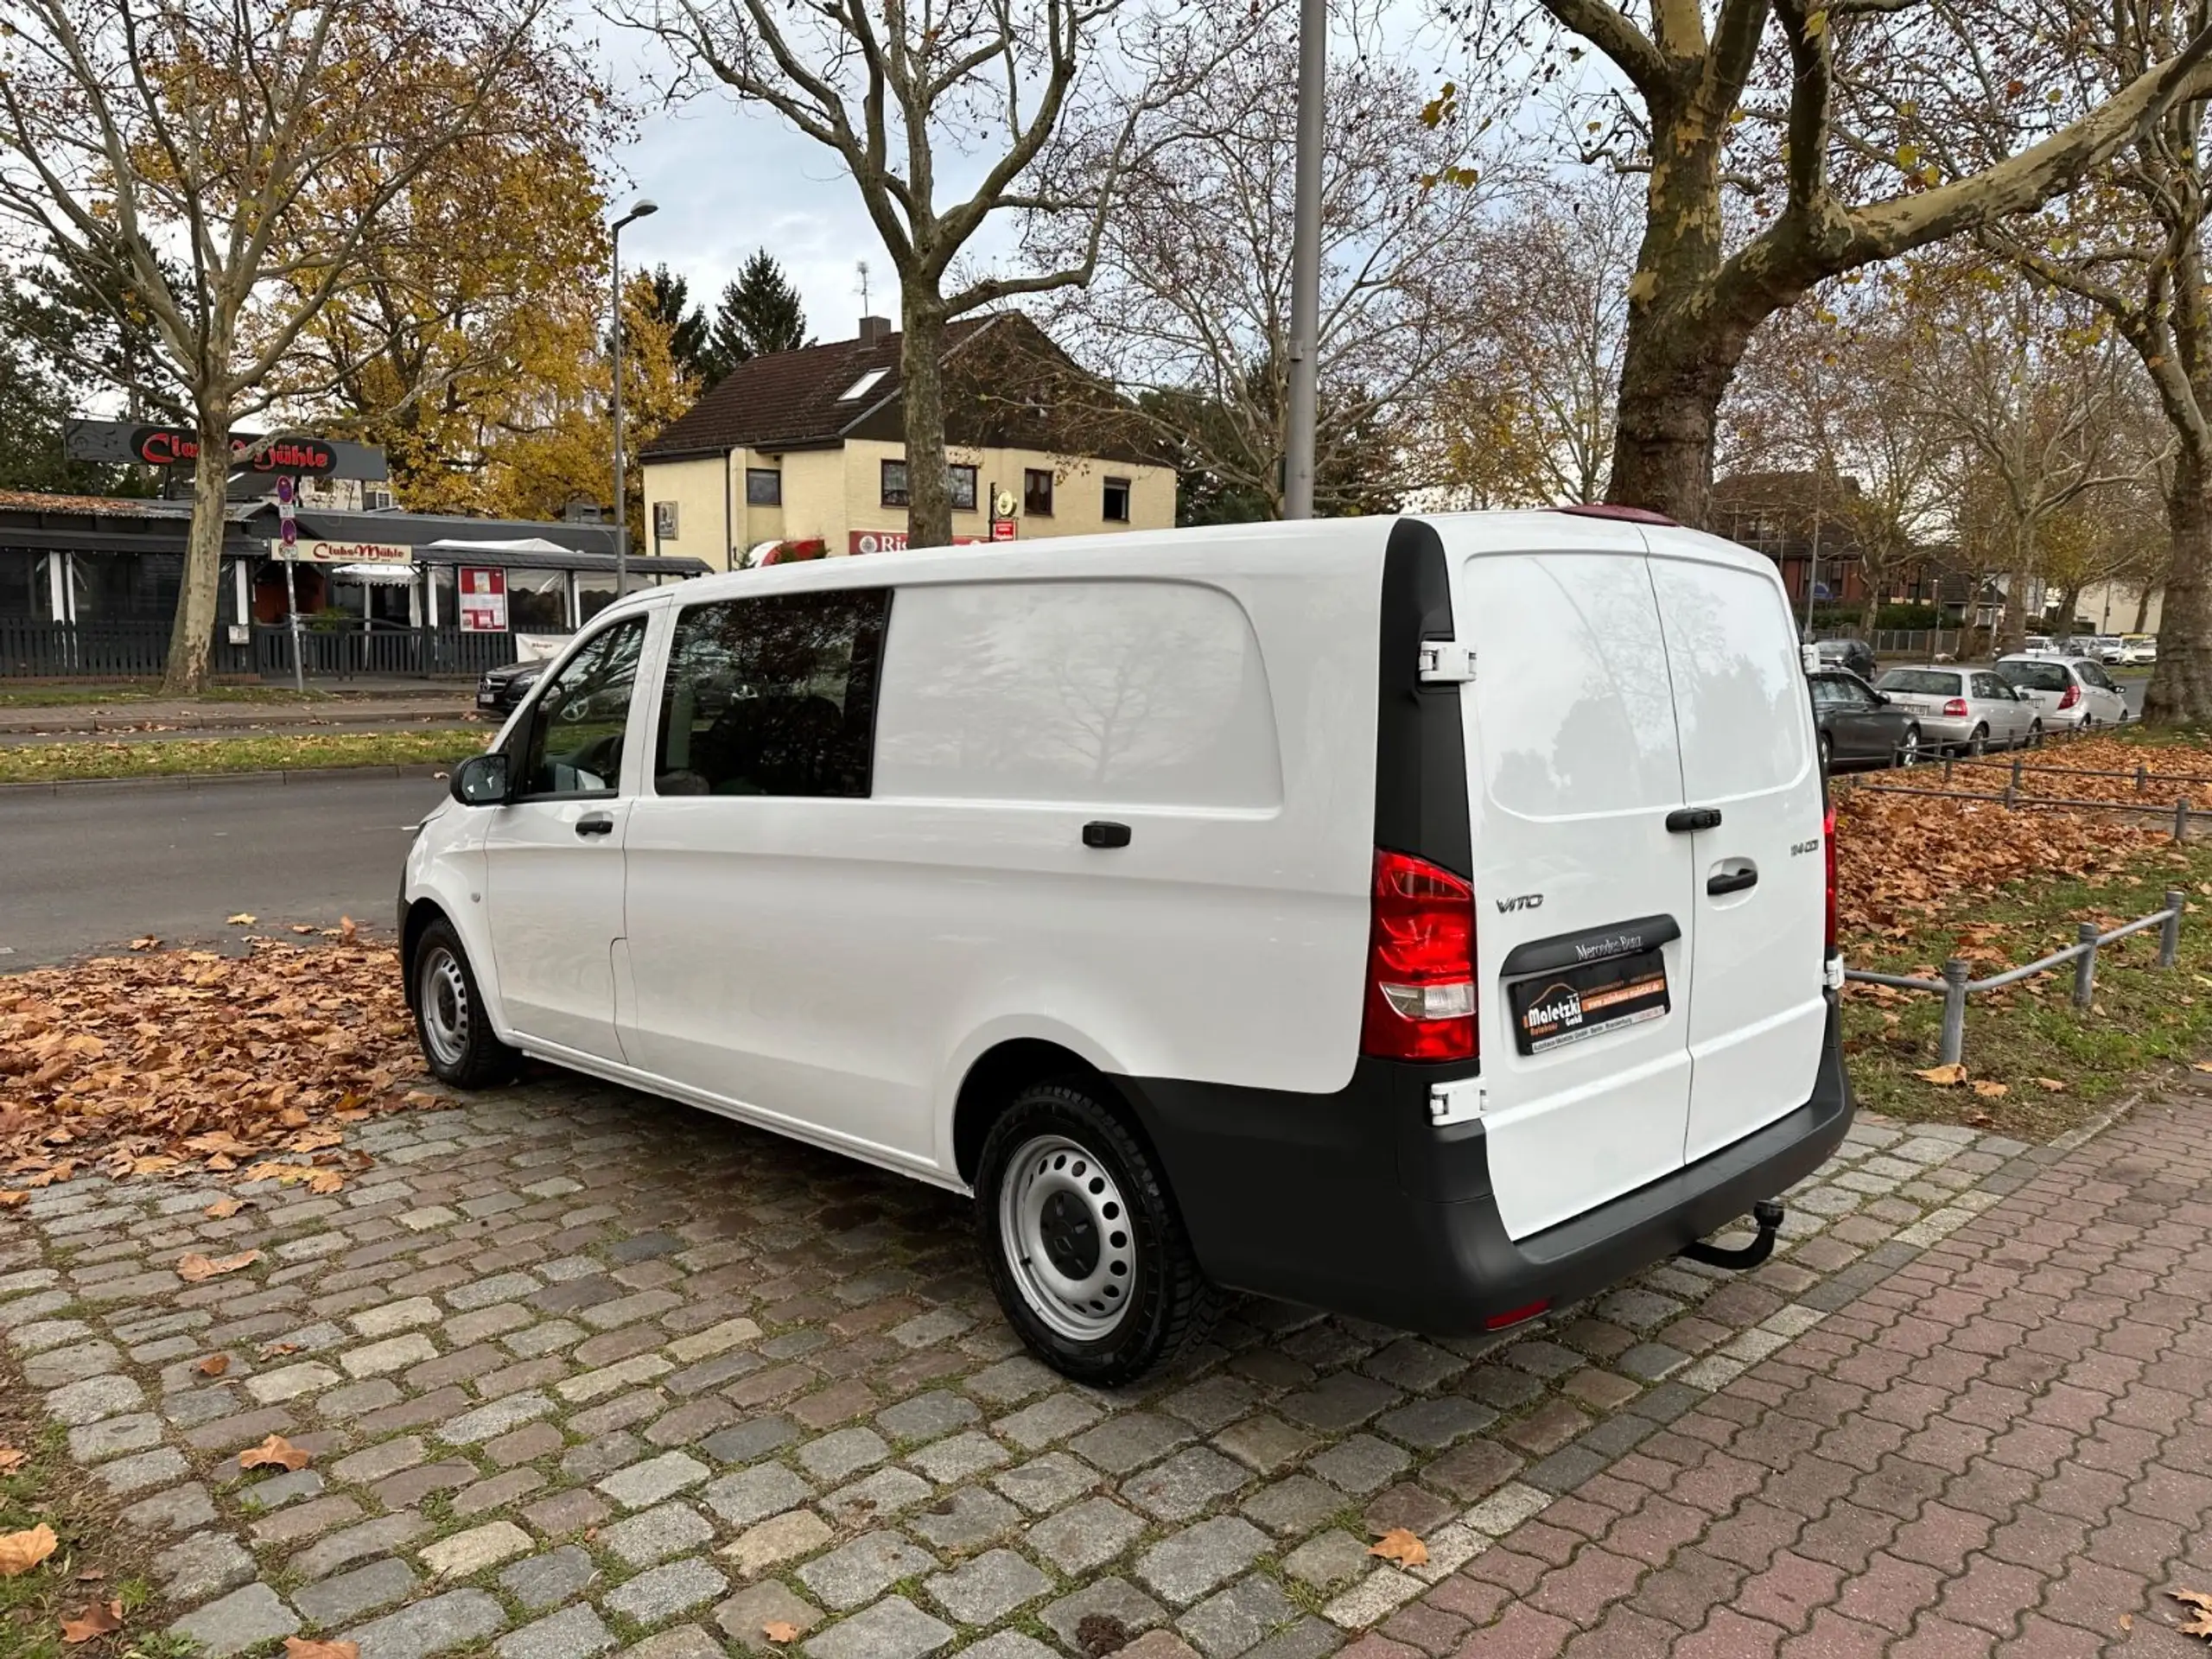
(999, 1073)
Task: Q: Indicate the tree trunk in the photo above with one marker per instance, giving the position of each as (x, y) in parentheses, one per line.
(1673, 373)
(2142, 607)
(193, 635)
(2068, 602)
(2181, 685)
(921, 390)
(2012, 622)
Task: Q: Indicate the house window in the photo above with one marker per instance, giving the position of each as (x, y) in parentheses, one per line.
(863, 386)
(764, 486)
(895, 483)
(1036, 491)
(961, 482)
(1117, 509)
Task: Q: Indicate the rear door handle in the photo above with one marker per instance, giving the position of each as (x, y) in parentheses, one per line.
(1684, 819)
(596, 824)
(1730, 882)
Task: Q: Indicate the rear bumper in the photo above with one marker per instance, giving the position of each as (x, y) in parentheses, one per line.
(1355, 1202)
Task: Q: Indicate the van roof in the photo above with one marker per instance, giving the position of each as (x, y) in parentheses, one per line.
(1188, 551)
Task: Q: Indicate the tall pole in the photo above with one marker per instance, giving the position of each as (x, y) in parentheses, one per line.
(638, 209)
(1306, 264)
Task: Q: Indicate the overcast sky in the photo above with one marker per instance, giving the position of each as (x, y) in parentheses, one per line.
(730, 180)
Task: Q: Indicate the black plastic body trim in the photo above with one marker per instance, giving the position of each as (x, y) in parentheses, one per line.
(1101, 832)
(1592, 944)
(1685, 820)
(1355, 1202)
(1420, 753)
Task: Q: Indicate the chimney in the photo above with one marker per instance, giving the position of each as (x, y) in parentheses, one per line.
(873, 329)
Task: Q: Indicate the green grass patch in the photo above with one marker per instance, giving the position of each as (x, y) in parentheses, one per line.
(128, 691)
(47, 763)
(2030, 1036)
(92, 1562)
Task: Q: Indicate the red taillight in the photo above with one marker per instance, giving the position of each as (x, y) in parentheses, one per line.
(2073, 696)
(1956, 710)
(1517, 1316)
(1827, 840)
(1421, 964)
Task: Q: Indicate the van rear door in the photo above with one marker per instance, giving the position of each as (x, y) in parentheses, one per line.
(1585, 906)
(1756, 1012)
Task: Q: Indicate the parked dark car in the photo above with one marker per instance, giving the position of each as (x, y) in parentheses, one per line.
(503, 689)
(1860, 727)
(1853, 654)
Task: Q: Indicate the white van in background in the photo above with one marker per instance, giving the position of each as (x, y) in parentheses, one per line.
(1427, 919)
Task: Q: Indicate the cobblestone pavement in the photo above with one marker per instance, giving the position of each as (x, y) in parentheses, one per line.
(580, 1371)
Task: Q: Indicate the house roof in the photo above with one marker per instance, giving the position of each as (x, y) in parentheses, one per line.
(789, 399)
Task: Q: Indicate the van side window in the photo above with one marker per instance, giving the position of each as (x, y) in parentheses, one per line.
(574, 745)
(773, 695)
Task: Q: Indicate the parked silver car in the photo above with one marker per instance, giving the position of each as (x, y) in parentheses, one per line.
(2070, 692)
(1964, 709)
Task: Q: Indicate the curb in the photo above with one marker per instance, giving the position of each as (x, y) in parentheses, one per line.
(206, 721)
(189, 781)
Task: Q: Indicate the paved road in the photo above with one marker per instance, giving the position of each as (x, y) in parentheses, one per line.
(2133, 690)
(88, 868)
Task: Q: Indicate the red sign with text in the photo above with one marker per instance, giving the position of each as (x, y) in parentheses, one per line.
(892, 541)
(483, 592)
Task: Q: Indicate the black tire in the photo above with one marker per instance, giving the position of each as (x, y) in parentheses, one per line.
(1978, 742)
(1908, 752)
(1057, 1140)
(1827, 751)
(2035, 736)
(456, 1038)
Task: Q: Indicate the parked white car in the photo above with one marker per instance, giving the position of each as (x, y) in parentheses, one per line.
(1963, 709)
(2070, 692)
(2138, 648)
(1427, 918)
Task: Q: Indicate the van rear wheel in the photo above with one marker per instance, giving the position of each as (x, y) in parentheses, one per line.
(1082, 1241)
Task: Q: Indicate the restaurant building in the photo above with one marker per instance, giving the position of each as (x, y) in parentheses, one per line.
(88, 587)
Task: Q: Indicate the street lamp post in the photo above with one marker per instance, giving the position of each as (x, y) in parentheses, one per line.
(1305, 263)
(642, 208)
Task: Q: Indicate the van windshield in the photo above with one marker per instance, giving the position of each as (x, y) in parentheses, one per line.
(1927, 681)
(2036, 677)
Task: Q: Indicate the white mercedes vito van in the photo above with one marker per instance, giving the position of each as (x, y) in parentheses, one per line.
(1427, 918)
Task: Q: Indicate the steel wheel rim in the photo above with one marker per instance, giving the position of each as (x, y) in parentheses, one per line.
(1977, 743)
(1909, 751)
(1065, 1228)
(443, 998)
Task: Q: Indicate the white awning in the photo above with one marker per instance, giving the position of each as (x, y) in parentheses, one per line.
(384, 575)
(521, 545)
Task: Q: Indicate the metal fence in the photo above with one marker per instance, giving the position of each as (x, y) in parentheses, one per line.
(2013, 797)
(1897, 642)
(1954, 986)
(35, 650)
(342, 653)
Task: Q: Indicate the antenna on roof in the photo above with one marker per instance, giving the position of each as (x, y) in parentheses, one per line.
(861, 266)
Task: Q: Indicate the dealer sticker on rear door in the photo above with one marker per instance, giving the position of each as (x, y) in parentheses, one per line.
(1574, 1004)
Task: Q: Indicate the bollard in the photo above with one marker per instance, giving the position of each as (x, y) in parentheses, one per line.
(2170, 930)
(2181, 819)
(2142, 777)
(2085, 966)
(1947, 768)
(1953, 1045)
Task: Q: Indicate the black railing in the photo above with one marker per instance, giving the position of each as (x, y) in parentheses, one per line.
(346, 653)
(31, 649)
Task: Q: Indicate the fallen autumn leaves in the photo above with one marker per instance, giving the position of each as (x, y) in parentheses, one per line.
(186, 1062)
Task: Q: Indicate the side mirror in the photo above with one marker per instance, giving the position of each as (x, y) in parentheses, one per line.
(483, 780)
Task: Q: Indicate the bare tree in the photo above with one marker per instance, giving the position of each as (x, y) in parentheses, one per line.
(904, 96)
(2039, 397)
(229, 164)
(1188, 306)
(1528, 420)
(1768, 101)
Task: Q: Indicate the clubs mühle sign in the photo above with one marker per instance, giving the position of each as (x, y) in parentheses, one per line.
(169, 446)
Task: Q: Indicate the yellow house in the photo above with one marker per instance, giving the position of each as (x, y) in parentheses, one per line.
(806, 446)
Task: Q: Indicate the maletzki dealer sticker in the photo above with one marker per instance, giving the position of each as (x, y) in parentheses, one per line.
(1578, 1003)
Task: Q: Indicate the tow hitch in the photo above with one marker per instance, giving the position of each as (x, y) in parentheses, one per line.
(1768, 1214)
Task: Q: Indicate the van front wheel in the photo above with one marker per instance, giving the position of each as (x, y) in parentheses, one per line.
(1082, 1241)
